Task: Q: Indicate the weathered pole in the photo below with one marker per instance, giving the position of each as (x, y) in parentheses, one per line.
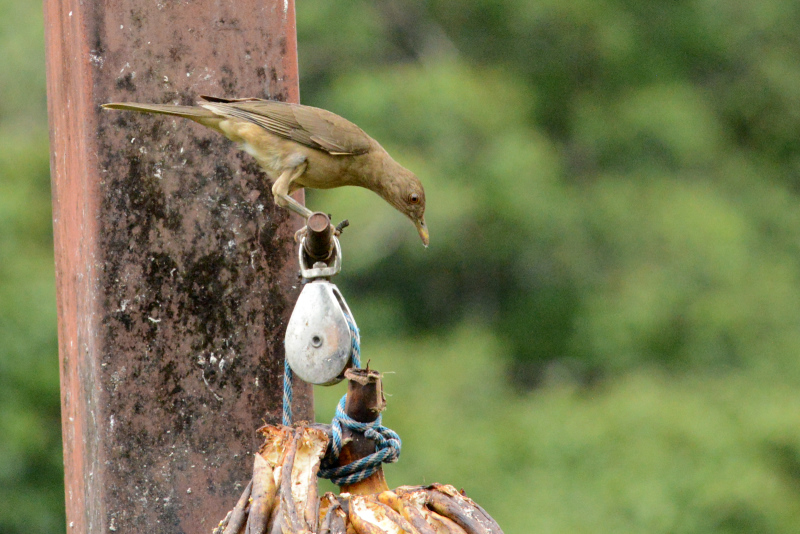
(175, 271)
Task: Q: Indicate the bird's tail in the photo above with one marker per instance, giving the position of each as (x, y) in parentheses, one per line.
(188, 112)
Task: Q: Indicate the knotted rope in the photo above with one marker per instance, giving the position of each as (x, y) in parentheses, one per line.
(386, 440)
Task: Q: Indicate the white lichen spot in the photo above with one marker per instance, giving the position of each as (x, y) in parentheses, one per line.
(95, 58)
(121, 26)
(111, 423)
(166, 79)
(70, 14)
(153, 320)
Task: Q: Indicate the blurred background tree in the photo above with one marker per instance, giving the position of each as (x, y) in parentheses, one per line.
(604, 333)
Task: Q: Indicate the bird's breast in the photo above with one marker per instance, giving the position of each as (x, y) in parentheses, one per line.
(272, 161)
(275, 155)
(272, 153)
(326, 171)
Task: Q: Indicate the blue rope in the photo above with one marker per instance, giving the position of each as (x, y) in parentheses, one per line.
(288, 376)
(355, 344)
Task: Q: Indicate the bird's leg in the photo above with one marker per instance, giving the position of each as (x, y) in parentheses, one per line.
(280, 191)
(293, 205)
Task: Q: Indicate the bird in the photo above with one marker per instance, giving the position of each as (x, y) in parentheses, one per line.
(302, 146)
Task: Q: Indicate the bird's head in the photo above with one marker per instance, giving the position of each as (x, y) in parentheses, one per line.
(414, 209)
(404, 191)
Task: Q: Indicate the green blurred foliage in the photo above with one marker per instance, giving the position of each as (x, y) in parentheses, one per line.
(603, 334)
(603, 193)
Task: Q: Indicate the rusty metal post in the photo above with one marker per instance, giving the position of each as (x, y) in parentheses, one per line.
(175, 271)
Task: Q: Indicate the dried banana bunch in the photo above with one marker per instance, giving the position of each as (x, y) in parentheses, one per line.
(282, 496)
(434, 509)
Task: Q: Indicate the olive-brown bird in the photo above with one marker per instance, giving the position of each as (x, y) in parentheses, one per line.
(302, 146)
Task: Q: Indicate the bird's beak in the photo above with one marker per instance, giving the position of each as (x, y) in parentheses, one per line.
(423, 231)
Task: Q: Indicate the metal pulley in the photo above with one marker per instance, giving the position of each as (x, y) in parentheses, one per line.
(318, 339)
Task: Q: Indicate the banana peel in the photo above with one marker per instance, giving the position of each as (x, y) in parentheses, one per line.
(282, 498)
(333, 517)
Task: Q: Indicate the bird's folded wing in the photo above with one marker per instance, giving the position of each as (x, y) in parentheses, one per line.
(313, 127)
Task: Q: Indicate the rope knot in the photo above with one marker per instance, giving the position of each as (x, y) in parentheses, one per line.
(388, 445)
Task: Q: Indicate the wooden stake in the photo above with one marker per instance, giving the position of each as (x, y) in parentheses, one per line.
(365, 402)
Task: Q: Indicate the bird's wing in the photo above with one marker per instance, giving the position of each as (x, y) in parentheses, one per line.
(313, 127)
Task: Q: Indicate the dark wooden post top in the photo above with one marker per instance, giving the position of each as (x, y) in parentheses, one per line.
(176, 273)
(365, 402)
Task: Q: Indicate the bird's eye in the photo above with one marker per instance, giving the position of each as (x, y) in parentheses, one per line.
(413, 198)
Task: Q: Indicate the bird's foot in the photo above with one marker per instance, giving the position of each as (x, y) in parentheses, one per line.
(337, 230)
(300, 234)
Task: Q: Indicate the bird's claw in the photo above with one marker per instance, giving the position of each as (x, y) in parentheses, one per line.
(300, 234)
(337, 231)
